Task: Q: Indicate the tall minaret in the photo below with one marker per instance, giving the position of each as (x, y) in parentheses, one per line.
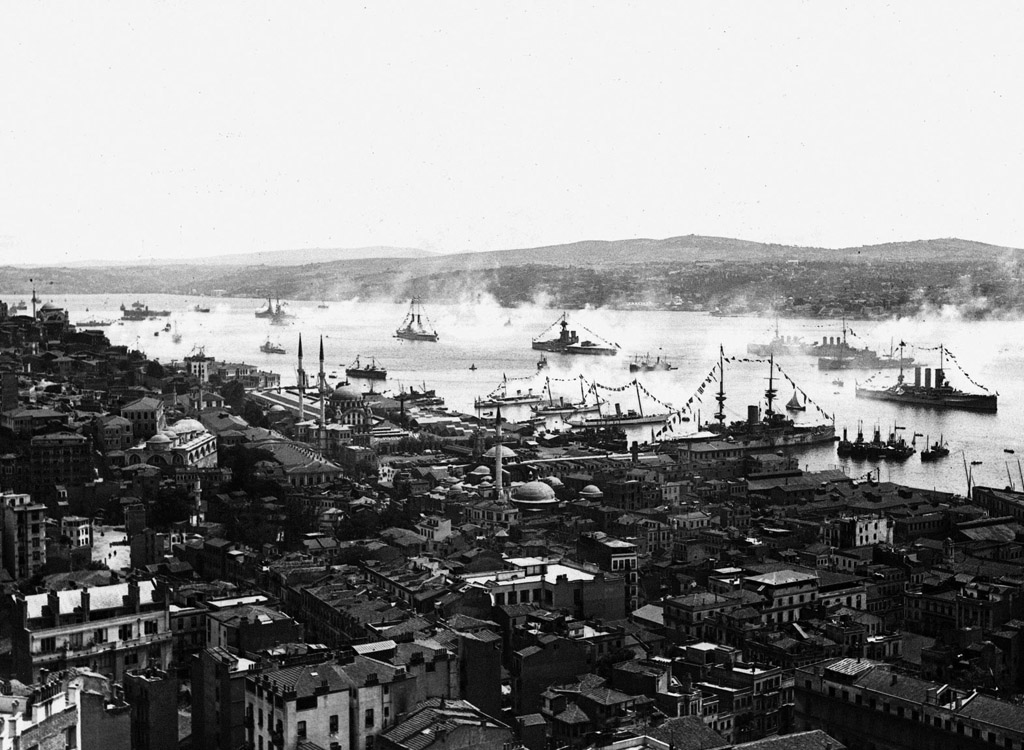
(301, 377)
(497, 458)
(323, 389)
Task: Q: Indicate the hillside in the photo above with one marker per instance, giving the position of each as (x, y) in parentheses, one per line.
(690, 272)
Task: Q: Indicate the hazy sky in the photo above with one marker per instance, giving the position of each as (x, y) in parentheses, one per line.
(135, 130)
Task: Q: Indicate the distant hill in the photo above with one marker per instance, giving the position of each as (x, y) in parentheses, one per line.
(692, 272)
(300, 257)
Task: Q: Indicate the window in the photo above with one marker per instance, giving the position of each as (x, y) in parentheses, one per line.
(368, 718)
(301, 727)
(124, 632)
(259, 719)
(48, 644)
(151, 627)
(333, 724)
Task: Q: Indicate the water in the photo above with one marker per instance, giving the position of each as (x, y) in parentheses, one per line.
(477, 334)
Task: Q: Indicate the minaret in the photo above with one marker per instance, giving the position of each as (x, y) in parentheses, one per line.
(497, 457)
(323, 389)
(301, 377)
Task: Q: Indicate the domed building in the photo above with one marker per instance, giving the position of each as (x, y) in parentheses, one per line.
(506, 452)
(591, 492)
(534, 497)
(184, 444)
(350, 409)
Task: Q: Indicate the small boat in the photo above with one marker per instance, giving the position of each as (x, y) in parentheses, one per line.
(795, 405)
(167, 328)
(473, 367)
(156, 333)
(200, 309)
(93, 323)
(975, 463)
(508, 323)
(413, 328)
(323, 306)
(372, 371)
(270, 348)
(838, 383)
(20, 305)
(542, 363)
(268, 312)
(1008, 450)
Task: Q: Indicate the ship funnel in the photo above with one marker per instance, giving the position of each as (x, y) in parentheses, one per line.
(917, 376)
(752, 414)
(940, 377)
(618, 410)
(927, 377)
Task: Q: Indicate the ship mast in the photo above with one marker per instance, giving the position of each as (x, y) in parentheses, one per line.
(639, 405)
(720, 398)
(770, 393)
(900, 378)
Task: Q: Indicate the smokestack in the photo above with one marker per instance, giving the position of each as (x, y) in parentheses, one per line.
(927, 377)
(940, 377)
(917, 376)
(752, 414)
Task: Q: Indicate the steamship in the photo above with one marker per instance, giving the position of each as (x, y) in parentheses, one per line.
(937, 395)
(568, 342)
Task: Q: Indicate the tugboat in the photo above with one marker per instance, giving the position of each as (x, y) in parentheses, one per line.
(542, 363)
(941, 395)
(412, 328)
(372, 371)
(645, 364)
(270, 348)
(568, 342)
(936, 451)
(201, 309)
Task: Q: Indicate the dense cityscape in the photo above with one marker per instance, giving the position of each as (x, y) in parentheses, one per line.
(197, 554)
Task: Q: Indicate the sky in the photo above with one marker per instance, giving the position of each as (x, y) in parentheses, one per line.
(134, 130)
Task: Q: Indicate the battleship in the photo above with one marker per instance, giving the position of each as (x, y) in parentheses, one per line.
(759, 433)
(568, 342)
(836, 354)
(413, 328)
(779, 345)
(924, 392)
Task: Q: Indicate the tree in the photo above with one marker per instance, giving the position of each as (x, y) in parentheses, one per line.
(234, 394)
(154, 369)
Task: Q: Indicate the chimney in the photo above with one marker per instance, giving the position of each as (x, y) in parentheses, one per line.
(53, 601)
(133, 598)
(892, 678)
(85, 604)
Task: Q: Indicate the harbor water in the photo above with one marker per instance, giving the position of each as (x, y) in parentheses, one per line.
(497, 342)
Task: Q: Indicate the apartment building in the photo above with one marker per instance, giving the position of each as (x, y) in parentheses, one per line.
(107, 629)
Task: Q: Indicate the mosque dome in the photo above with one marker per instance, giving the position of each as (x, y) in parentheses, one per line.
(553, 482)
(48, 306)
(184, 426)
(591, 492)
(506, 452)
(534, 496)
(346, 392)
(158, 442)
(481, 471)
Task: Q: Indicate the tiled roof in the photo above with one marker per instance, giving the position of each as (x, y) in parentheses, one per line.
(306, 679)
(437, 715)
(813, 740)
